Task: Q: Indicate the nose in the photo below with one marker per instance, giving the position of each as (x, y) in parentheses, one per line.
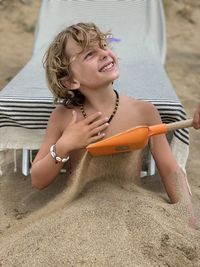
(103, 54)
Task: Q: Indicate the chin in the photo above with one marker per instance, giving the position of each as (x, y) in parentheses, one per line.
(116, 76)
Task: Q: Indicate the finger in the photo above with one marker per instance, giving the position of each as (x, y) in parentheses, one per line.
(196, 120)
(74, 116)
(98, 123)
(99, 129)
(96, 138)
(92, 117)
(195, 125)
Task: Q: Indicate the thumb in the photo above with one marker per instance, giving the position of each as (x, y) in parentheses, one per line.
(195, 120)
(74, 116)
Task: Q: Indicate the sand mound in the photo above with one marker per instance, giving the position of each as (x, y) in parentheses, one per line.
(106, 226)
(113, 222)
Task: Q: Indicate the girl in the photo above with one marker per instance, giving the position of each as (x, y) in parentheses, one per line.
(80, 70)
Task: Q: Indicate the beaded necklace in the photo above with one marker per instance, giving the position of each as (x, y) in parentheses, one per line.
(114, 111)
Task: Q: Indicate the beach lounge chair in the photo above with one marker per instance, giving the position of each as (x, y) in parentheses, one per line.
(26, 103)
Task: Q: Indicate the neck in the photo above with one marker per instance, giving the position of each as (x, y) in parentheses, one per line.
(99, 99)
(106, 102)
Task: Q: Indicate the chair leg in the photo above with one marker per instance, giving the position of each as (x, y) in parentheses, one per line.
(25, 162)
(151, 165)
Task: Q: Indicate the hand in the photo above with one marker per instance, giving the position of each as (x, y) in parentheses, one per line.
(187, 214)
(80, 134)
(192, 222)
(187, 207)
(196, 118)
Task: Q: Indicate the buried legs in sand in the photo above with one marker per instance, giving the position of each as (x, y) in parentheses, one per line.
(122, 170)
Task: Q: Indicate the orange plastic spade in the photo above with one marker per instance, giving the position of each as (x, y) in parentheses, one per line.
(134, 138)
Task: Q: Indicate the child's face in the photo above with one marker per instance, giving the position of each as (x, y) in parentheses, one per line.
(94, 67)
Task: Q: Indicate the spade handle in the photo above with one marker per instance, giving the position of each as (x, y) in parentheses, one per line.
(179, 125)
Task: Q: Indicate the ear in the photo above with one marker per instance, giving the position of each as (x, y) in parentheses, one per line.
(70, 85)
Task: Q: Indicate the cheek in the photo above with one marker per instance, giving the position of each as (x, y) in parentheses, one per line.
(77, 71)
(81, 71)
(89, 67)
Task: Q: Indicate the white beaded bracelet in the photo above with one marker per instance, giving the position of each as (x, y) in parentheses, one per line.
(54, 155)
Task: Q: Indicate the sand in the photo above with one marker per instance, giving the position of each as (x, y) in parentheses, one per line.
(110, 223)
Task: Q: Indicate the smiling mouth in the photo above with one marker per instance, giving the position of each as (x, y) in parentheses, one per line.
(108, 67)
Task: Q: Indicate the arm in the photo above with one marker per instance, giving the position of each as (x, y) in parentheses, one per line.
(196, 118)
(75, 135)
(173, 178)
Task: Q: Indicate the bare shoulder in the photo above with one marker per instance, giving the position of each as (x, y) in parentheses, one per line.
(138, 104)
(144, 110)
(146, 107)
(149, 112)
(60, 110)
(60, 116)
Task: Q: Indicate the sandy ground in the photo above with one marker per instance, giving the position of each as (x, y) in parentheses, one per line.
(109, 225)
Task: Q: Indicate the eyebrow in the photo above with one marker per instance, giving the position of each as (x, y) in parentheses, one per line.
(84, 51)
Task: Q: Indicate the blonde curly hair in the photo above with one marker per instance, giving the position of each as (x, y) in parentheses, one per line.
(57, 62)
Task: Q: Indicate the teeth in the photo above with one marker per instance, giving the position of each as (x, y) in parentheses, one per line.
(107, 67)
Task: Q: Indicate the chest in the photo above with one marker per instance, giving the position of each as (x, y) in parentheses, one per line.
(124, 119)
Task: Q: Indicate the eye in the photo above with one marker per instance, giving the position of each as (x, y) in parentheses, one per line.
(89, 55)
